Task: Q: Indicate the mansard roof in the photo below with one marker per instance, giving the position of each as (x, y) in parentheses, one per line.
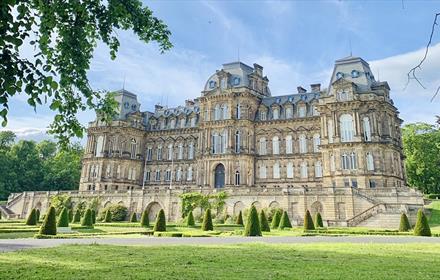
(292, 98)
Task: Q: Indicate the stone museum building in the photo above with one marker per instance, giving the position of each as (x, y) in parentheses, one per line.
(335, 149)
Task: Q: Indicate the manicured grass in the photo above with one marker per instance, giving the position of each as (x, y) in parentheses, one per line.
(434, 218)
(249, 261)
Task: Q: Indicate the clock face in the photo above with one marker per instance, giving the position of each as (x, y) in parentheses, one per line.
(126, 105)
(133, 107)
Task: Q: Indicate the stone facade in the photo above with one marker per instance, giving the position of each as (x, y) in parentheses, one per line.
(336, 150)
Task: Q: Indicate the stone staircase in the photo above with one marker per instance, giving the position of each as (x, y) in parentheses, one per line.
(7, 213)
(381, 215)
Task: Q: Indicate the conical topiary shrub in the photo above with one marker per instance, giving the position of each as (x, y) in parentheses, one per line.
(276, 219)
(32, 218)
(93, 216)
(190, 219)
(207, 221)
(63, 218)
(318, 220)
(77, 217)
(285, 222)
(239, 220)
(133, 218)
(108, 216)
(264, 223)
(252, 227)
(145, 222)
(308, 222)
(87, 219)
(71, 216)
(37, 214)
(404, 223)
(422, 227)
(160, 224)
(49, 225)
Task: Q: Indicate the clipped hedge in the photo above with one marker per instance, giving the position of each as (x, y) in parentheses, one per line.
(119, 212)
(93, 216)
(77, 217)
(404, 223)
(37, 214)
(285, 222)
(264, 223)
(32, 218)
(318, 220)
(308, 222)
(49, 226)
(108, 216)
(190, 220)
(87, 219)
(145, 221)
(239, 220)
(63, 218)
(168, 234)
(207, 221)
(252, 227)
(276, 219)
(422, 227)
(133, 218)
(71, 216)
(160, 224)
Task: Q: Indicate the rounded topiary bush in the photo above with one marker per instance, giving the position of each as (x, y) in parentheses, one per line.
(308, 222)
(404, 223)
(190, 220)
(284, 222)
(93, 216)
(264, 223)
(252, 227)
(160, 224)
(49, 225)
(422, 227)
(276, 219)
(37, 214)
(77, 217)
(145, 222)
(108, 216)
(207, 221)
(133, 218)
(32, 218)
(239, 220)
(318, 220)
(63, 218)
(87, 219)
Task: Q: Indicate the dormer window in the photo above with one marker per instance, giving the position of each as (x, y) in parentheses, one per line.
(276, 114)
(354, 74)
(339, 75)
(263, 115)
(212, 84)
(223, 83)
(236, 81)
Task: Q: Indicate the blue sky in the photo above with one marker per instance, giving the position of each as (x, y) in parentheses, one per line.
(296, 43)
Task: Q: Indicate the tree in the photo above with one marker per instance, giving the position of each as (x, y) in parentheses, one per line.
(421, 146)
(71, 215)
(37, 214)
(193, 200)
(61, 201)
(404, 223)
(264, 223)
(318, 220)
(64, 36)
(133, 218)
(7, 138)
(87, 219)
(47, 149)
(252, 227)
(422, 226)
(145, 222)
(63, 219)
(284, 222)
(207, 221)
(49, 225)
(190, 220)
(32, 218)
(93, 216)
(118, 212)
(77, 217)
(276, 219)
(160, 224)
(239, 220)
(308, 222)
(108, 216)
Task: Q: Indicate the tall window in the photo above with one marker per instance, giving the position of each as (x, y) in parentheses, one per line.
(289, 144)
(349, 161)
(170, 151)
(353, 160)
(263, 115)
(179, 174)
(347, 128)
(173, 123)
(217, 112)
(133, 148)
(238, 111)
(157, 178)
(302, 144)
(237, 142)
(316, 143)
(262, 146)
(189, 176)
(147, 176)
(118, 172)
(218, 142)
(263, 171)
(330, 131)
(275, 145)
(304, 170)
(237, 178)
(180, 154)
(289, 113)
(206, 115)
(99, 146)
(182, 122)
(315, 111)
(302, 111)
(225, 111)
(193, 121)
(367, 129)
(289, 170)
(370, 161)
(276, 114)
(159, 153)
(276, 170)
(191, 150)
(318, 169)
(149, 154)
(168, 175)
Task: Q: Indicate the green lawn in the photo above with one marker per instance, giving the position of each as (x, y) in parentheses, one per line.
(250, 261)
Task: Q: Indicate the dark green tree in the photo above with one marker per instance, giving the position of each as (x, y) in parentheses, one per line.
(32, 218)
(190, 220)
(64, 36)
(49, 225)
(87, 219)
(77, 217)
(207, 221)
(63, 219)
(7, 138)
(37, 213)
(404, 223)
(422, 226)
(108, 216)
(239, 220)
(133, 218)
(93, 216)
(145, 222)
(276, 219)
(160, 224)
(252, 227)
(71, 216)
(264, 223)
(284, 222)
(308, 221)
(318, 220)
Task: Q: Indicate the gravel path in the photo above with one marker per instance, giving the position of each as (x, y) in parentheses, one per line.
(18, 244)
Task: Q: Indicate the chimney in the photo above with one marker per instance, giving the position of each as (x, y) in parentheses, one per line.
(158, 107)
(315, 87)
(258, 69)
(189, 102)
(301, 89)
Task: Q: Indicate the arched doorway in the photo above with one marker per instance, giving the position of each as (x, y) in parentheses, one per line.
(317, 207)
(153, 209)
(219, 176)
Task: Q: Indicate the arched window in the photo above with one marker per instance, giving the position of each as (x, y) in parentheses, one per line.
(302, 144)
(345, 161)
(370, 161)
(225, 111)
(170, 151)
(237, 178)
(347, 128)
(289, 144)
(157, 177)
(330, 131)
(147, 176)
(367, 129)
(173, 123)
(318, 169)
(289, 170)
(224, 141)
(237, 142)
(353, 160)
(276, 114)
(262, 146)
(189, 176)
(276, 170)
(180, 154)
(159, 153)
(316, 143)
(304, 170)
(179, 174)
(275, 145)
(263, 115)
(99, 146)
(302, 111)
(263, 171)
(182, 122)
(217, 112)
(191, 150)
(238, 111)
(133, 148)
(211, 84)
(118, 172)
(289, 113)
(168, 175)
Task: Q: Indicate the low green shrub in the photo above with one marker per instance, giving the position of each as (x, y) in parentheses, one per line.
(190, 220)
(239, 220)
(404, 223)
(145, 222)
(133, 218)
(93, 216)
(318, 220)
(252, 227)
(264, 223)
(308, 222)
(87, 219)
(433, 196)
(285, 222)
(422, 227)
(49, 225)
(276, 219)
(160, 224)
(207, 221)
(63, 218)
(32, 218)
(71, 216)
(119, 212)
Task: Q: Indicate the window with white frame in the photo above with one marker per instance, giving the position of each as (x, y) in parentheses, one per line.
(302, 111)
(182, 122)
(193, 121)
(263, 171)
(170, 151)
(206, 115)
(353, 160)
(167, 175)
(180, 151)
(276, 170)
(189, 176)
(289, 113)
(275, 145)
(263, 115)
(367, 129)
(276, 114)
(118, 172)
(302, 144)
(347, 128)
(238, 111)
(237, 178)
(316, 143)
(149, 153)
(237, 142)
(217, 112)
(225, 111)
(304, 170)
(157, 177)
(173, 123)
(289, 144)
(262, 146)
(318, 169)
(370, 161)
(179, 174)
(147, 176)
(289, 170)
(349, 161)
(330, 131)
(133, 148)
(159, 153)
(191, 150)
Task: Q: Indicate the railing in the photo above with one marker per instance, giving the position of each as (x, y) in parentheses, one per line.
(374, 210)
(15, 199)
